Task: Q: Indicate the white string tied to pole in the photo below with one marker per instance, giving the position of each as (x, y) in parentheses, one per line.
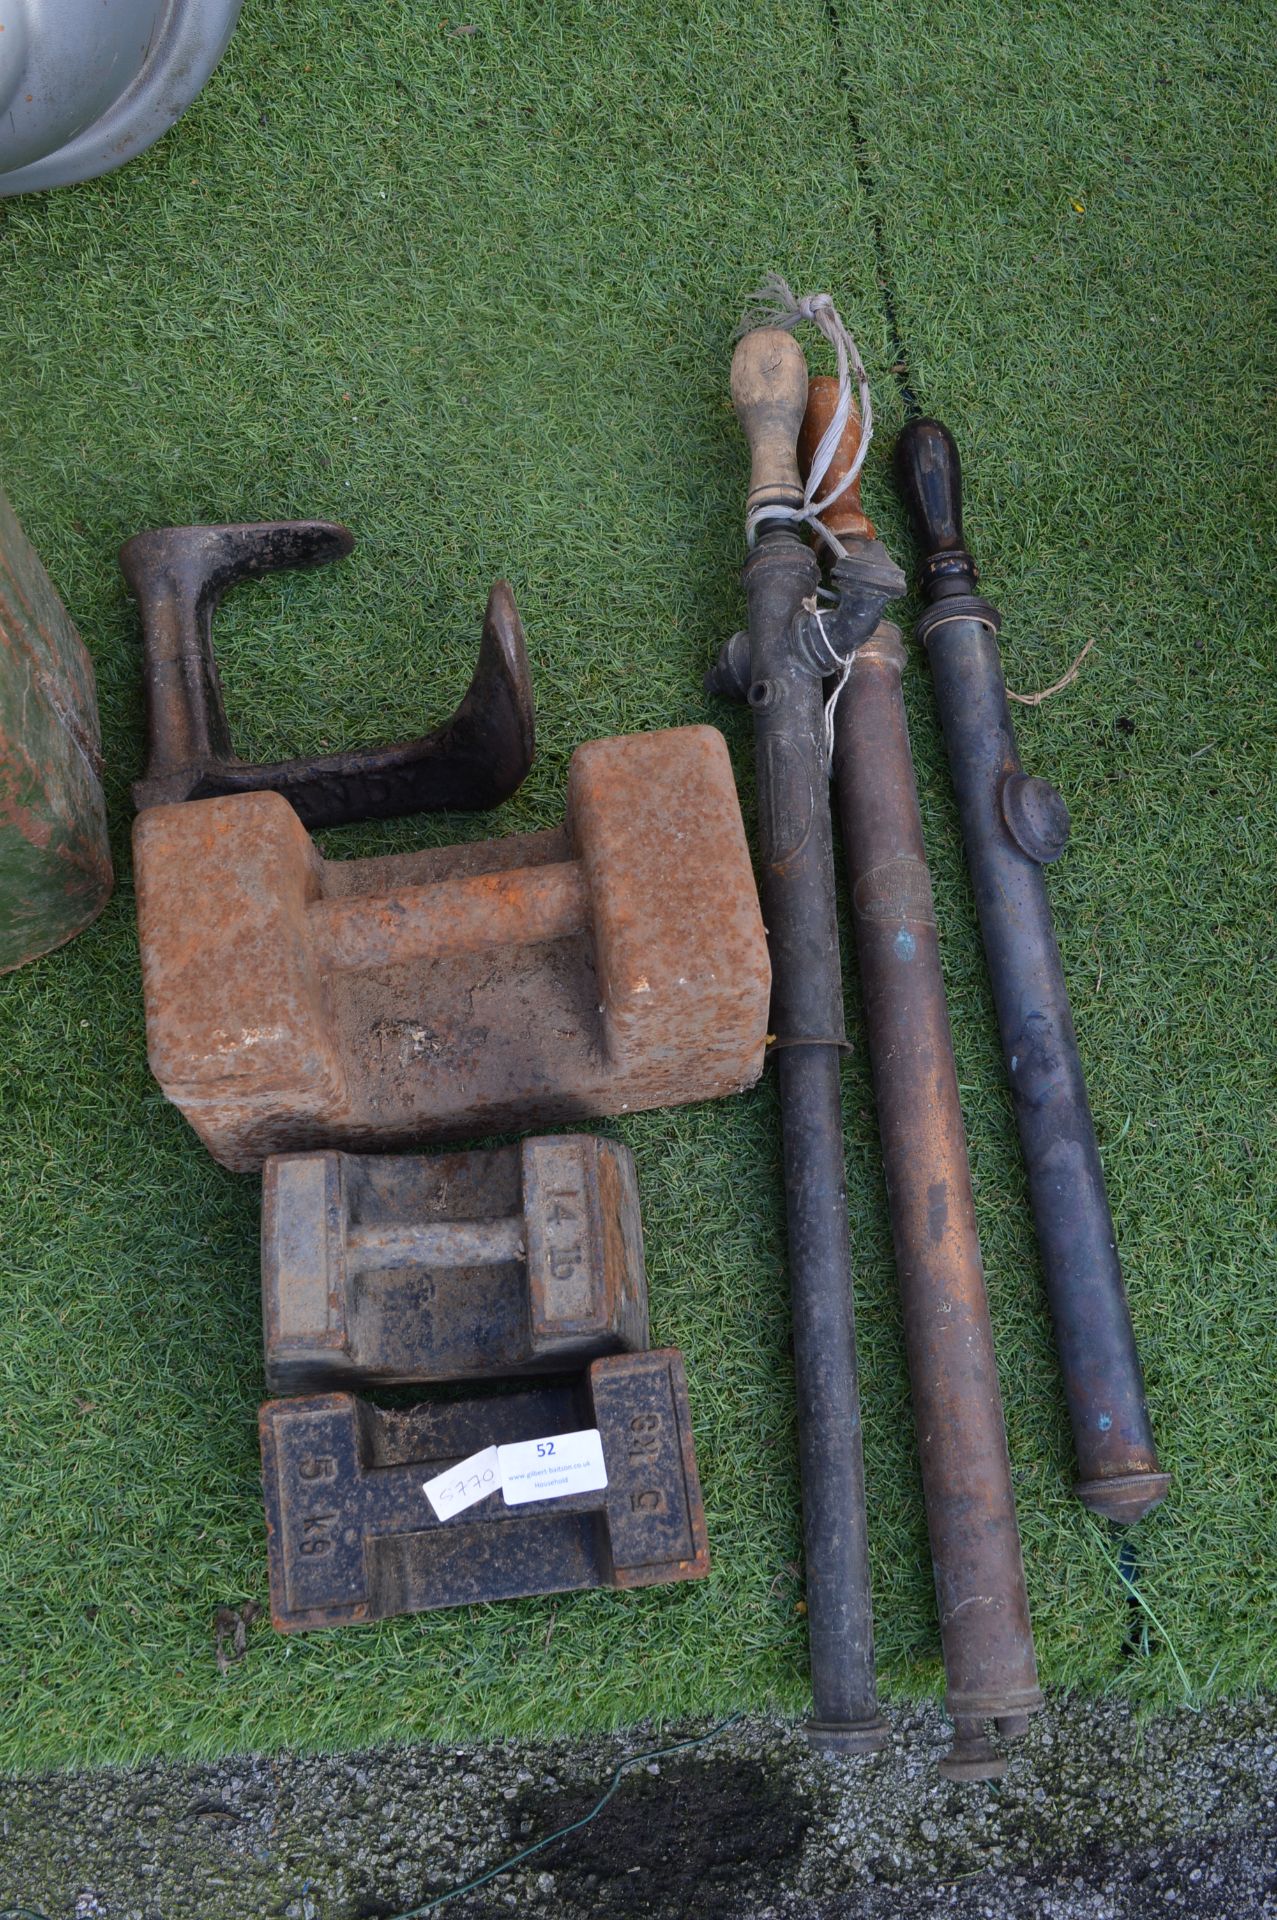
(831, 662)
(776, 305)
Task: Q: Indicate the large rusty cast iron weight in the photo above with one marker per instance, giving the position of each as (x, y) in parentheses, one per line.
(772, 669)
(981, 1599)
(1012, 826)
(179, 577)
(614, 963)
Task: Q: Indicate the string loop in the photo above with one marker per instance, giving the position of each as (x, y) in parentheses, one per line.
(776, 305)
(828, 660)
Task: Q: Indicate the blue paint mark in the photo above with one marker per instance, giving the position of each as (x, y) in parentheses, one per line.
(1105, 1422)
(906, 945)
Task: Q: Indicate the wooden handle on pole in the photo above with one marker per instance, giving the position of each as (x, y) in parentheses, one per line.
(929, 474)
(769, 392)
(846, 518)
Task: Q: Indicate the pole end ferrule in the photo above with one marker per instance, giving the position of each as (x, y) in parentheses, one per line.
(1124, 1497)
(848, 1737)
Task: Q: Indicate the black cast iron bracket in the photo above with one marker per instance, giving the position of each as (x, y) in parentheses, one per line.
(179, 576)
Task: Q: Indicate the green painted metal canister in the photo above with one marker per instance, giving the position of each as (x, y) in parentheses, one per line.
(55, 864)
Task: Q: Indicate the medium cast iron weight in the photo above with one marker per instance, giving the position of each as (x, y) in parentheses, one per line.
(773, 668)
(381, 1270)
(615, 963)
(179, 577)
(1012, 826)
(352, 1535)
(981, 1599)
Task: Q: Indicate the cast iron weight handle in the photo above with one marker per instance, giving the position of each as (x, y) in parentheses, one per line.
(179, 576)
(1012, 826)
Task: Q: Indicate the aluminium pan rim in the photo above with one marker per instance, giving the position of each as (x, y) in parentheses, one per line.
(190, 38)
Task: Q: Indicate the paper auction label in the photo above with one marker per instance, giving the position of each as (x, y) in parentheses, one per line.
(459, 1488)
(548, 1469)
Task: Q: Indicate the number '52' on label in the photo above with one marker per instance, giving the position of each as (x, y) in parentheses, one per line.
(525, 1470)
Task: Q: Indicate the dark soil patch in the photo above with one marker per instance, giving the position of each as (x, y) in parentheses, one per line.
(689, 1841)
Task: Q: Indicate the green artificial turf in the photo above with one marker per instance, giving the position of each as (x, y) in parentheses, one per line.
(470, 286)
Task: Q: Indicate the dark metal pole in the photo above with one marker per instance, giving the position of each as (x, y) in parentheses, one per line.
(981, 1599)
(1012, 826)
(769, 388)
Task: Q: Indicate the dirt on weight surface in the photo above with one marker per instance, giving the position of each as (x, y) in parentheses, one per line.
(1100, 1817)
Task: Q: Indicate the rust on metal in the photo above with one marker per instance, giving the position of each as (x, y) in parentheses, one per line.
(352, 1537)
(981, 1597)
(447, 917)
(387, 1270)
(179, 576)
(657, 996)
(983, 1606)
(55, 863)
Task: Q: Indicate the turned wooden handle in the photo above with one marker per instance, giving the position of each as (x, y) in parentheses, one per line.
(846, 518)
(769, 392)
(930, 476)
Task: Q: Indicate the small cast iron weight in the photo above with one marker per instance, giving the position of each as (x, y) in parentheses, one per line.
(381, 1270)
(981, 1599)
(180, 575)
(353, 1536)
(771, 668)
(612, 964)
(1012, 826)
